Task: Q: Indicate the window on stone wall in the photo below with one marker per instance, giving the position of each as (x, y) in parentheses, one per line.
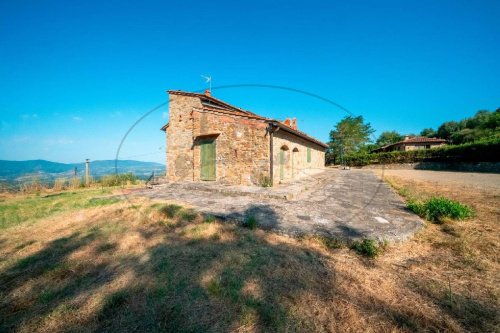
(308, 155)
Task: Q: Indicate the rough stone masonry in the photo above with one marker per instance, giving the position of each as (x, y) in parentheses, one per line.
(208, 139)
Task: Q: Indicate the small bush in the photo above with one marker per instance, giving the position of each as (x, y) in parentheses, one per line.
(438, 208)
(170, 210)
(209, 219)
(265, 181)
(415, 207)
(60, 184)
(33, 185)
(187, 215)
(366, 247)
(250, 222)
(330, 243)
(75, 183)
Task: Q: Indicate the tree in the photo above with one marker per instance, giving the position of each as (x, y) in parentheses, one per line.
(446, 130)
(349, 136)
(484, 125)
(388, 137)
(428, 132)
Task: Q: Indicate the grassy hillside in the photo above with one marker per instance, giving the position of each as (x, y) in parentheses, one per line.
(46, 170)
(31, 208)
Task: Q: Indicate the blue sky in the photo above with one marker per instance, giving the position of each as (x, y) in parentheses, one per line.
(75, 75)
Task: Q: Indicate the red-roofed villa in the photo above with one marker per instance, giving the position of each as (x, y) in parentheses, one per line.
(413, 143)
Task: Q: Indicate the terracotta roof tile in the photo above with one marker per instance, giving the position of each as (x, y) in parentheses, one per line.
(422, 139)
(235, 113)
(415, 139)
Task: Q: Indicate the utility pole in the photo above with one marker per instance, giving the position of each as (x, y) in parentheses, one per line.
(87, 180)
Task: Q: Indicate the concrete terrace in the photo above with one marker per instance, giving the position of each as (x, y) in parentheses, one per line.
(348, 204)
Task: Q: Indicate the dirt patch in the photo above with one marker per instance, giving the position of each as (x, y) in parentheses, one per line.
(461, 180)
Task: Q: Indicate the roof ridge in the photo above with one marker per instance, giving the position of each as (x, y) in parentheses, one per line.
(216, 100)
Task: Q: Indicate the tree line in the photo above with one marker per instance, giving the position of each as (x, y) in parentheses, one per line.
(352, 135)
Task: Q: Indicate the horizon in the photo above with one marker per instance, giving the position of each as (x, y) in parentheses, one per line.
(77, 77)
(90, 161)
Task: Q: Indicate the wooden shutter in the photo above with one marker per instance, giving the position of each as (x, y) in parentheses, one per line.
(207, 156)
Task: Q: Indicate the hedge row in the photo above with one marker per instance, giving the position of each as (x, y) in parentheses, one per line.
(469, 152)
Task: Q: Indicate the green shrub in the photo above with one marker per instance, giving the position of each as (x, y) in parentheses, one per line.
(366, 247)
(170, 210)
(209, 219)
(187, 215)
(416, 207)
(480, 151)
(330, 243)
(250, 222)
(436, 209)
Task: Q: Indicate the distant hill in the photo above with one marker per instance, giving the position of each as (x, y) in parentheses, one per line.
(12, 171)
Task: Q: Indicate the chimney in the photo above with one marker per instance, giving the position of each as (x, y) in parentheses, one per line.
(294, 123)
(287, 122)
(406, 137)
(207, 93)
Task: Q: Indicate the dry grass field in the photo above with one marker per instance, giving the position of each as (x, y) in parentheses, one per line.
(79, 261)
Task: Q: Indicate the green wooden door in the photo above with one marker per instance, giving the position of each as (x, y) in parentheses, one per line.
(207, 160)
(282, 164)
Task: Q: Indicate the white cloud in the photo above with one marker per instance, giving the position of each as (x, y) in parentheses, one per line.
(77, 118)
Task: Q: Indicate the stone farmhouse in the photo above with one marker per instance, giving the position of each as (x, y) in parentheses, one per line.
(413, 143)
(211, 140)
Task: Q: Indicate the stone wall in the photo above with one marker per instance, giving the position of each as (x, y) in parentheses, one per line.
(180, 137)
(241, 143)
(295, 153)
(242, 147)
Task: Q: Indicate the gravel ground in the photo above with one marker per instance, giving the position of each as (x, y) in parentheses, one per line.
(465, 179)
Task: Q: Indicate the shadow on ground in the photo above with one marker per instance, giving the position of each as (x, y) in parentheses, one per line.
(183, 283)
(182, 274)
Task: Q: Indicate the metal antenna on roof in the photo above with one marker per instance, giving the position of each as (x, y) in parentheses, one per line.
(208, 79)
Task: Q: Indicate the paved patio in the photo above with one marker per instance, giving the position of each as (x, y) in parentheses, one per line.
(349, 204)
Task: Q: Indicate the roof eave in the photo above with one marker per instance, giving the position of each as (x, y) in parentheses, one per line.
(200, 95)
(297, 133)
